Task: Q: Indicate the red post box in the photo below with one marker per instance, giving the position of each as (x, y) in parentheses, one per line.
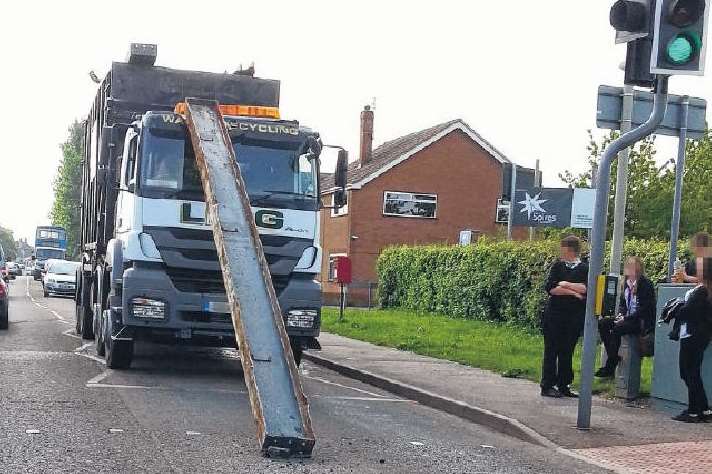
(343, 270)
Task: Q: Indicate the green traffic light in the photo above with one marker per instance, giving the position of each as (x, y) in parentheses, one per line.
(684, 47)
(680, 50)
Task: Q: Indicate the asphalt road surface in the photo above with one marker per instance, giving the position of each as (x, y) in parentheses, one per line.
(187, 410)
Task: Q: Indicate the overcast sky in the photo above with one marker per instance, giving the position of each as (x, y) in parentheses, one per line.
(523, 74)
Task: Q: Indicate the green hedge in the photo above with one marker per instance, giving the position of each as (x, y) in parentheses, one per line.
(491, 280)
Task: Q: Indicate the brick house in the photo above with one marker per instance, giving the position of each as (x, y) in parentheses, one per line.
(421, 188)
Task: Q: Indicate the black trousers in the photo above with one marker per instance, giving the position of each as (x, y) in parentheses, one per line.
(561, 333)
(692, 351)
(611, 333)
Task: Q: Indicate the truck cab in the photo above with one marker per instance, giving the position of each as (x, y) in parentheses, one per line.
(168, 276)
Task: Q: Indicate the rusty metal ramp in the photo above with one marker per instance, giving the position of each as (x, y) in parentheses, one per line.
(279, 406)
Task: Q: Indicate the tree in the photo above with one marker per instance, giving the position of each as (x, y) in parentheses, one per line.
(651, 187)
(66, 209)
(8, 243)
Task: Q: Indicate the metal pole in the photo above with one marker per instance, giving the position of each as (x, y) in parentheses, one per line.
(621, 185)
(679, 176)
(598, 241)
(537, 184)
(512, 192)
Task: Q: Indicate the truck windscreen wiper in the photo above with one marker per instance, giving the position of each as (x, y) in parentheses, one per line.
(262, 196)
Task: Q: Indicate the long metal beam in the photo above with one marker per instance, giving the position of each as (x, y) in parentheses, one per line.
(279, 405)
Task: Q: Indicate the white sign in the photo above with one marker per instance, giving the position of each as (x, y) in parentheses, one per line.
(582, 208)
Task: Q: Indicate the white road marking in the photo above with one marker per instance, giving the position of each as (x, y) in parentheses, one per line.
(70, 333)
(83, 346)
(329, 382)
(56, 315)
(363, 399)
(89, 356)
(98, 378)
(192, 433)
(109, 385)
(115, 430)
(32, 431)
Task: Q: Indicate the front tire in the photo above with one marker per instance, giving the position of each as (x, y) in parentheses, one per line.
(297, 351)
(84, 314)
(4, 317)
(119, 353)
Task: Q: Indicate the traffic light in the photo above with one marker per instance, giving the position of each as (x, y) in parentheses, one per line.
(679, 37)
(632, 20)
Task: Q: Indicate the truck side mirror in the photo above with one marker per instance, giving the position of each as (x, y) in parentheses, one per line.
(340, 179)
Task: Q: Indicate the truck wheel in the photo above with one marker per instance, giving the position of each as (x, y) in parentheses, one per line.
(297, 350)
(4, 317)
(100, 346)
(84, 314)
(119, 354)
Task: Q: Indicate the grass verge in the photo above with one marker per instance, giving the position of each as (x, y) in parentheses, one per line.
(509, 350)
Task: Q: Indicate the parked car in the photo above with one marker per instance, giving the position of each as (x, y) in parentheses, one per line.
(3, 266)
(59, 277)
(13, 270)
(4, 303)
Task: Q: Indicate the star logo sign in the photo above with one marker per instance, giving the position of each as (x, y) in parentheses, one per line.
(532, 204)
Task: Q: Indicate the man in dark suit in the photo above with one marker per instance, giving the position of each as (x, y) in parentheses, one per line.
(636, 316)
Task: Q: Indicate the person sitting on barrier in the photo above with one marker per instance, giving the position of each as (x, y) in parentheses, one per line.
(695, 318)
(701, 246)
(636, 316)
(563, 318)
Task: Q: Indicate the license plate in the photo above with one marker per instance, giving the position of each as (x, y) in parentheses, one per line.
(217, 307)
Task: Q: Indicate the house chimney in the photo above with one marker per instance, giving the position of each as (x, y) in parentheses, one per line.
(366, 135)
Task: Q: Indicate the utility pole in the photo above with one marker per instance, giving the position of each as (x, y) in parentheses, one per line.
(537, 184)
(621, 184)
(679, 175)
(512, 192)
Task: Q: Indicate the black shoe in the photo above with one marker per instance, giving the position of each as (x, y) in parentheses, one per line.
(605, 373)
(550, 392)
(687, 417)
(567, 392)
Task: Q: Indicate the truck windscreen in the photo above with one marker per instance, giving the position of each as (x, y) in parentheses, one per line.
(274, 172)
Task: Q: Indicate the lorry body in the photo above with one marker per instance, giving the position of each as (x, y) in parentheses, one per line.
(50, 243)
(150, 267)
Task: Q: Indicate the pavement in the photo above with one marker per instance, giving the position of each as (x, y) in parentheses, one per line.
(625, 437)
(186, 410)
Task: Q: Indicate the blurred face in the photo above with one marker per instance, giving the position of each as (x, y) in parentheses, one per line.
(630, 270)
(568, 254)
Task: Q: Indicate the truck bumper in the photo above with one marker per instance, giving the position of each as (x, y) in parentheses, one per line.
(206, 315)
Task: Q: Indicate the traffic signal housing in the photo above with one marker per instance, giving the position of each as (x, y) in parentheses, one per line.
(679, 37)
(632, 20)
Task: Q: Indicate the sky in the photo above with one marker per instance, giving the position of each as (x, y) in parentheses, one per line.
(523, 74)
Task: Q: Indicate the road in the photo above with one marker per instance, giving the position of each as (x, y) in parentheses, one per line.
(187, 410)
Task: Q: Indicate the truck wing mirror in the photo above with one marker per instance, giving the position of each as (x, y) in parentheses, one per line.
(340, 179)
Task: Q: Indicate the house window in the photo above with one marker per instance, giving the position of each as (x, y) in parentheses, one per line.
(342, 211)
(401, 204)
(332, 265)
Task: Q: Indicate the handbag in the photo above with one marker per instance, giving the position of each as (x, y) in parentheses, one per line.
(646, 344)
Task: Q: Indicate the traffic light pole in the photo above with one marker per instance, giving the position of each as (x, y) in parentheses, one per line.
(679, 174)
(598, 241)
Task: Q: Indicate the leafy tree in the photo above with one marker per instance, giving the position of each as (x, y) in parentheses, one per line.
(66, 209)
(651, 187)
(8, 243)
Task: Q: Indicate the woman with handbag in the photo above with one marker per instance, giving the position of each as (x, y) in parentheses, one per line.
(636, 316)
(695, 319)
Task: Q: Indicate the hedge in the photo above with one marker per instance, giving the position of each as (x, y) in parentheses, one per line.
(490, 280)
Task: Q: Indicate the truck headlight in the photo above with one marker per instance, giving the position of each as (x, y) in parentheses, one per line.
(307, 259)
(301, 318)
(148, 308)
